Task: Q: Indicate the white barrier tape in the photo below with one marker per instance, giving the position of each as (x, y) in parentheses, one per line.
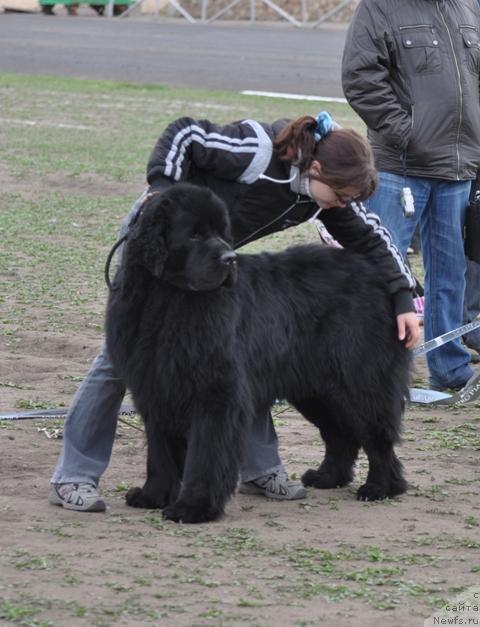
(39, 414)
(469, 393)
(445, 338)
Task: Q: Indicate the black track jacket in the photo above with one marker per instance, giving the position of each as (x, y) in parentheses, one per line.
(264, 194)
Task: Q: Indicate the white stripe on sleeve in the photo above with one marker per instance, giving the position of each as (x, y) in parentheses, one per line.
(262, 158)
(193, 132)
(374, 221)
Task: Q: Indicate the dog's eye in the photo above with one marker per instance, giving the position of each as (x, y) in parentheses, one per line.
(195, 237)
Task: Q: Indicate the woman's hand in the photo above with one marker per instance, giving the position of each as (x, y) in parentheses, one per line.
(408, 328)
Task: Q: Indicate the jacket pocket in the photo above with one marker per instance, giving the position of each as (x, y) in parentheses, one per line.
(420, 48)
(471, 47)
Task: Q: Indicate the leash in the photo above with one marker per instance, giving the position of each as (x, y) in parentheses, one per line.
(123, 239)
(112, 252)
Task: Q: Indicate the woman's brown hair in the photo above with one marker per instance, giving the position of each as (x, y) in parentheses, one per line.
(345, 157)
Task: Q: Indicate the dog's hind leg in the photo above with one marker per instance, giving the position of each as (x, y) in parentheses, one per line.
(385, 474)
(215, 448)
(341, 446)
(165, 460)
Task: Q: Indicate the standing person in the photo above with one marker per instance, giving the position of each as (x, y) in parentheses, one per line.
(272, 176)
(411, 71)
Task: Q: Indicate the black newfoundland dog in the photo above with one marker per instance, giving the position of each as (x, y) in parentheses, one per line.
(206, 340)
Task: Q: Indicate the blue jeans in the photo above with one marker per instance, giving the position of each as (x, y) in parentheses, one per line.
(440, 208)
(91, 423)
(471, 307)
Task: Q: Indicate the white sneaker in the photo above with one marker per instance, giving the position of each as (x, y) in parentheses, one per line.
(82, 497)
(274, 486)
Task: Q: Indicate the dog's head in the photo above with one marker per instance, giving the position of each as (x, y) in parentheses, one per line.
(183, 238)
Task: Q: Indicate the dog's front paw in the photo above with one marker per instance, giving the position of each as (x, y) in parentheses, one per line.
(185, 513)
(371, 492)
(324, 480)
(397, 486)
(309, 478)
(136, 497)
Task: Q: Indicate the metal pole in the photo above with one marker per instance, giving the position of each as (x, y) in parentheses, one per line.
(304, 11)
(329, 14)
(131, 8)
(174, 4)
(223, 11)
(182, 11)
(283, 13)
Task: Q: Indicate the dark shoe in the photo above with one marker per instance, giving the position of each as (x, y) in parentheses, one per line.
(474, 353)
(471, 348)
(448, 388)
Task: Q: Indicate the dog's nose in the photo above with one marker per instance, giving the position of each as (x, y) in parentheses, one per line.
(228, 258)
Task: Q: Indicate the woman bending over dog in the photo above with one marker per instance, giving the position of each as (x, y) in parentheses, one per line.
(271, 177)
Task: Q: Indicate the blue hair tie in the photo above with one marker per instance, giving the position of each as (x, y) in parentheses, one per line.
(325, 125)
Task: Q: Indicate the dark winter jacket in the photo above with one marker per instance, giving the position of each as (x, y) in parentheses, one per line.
(411, 71)
(265, 194)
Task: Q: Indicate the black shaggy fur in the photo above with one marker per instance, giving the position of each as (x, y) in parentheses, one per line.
(206, 343)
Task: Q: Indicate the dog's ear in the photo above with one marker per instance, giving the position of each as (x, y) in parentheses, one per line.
(146, 245)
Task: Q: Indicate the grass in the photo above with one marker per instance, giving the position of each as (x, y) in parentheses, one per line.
(11, 612)
(120, 124)
(466, 435)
